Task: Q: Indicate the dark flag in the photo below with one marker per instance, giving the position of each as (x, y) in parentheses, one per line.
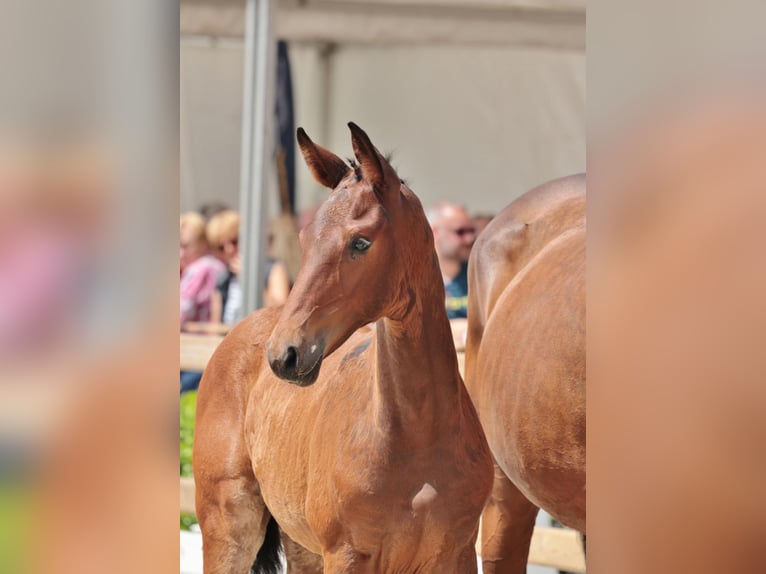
(285, 130)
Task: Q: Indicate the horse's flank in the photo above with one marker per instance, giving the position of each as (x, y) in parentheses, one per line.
(525, 365)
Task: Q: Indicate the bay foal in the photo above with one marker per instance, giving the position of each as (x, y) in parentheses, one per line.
(374, 457)
(525, 365)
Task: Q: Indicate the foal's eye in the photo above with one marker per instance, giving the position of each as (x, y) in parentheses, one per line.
(360, 244)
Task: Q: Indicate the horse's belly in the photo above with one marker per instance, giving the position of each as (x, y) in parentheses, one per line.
(553, 478)
(538, 439)
(545, 459)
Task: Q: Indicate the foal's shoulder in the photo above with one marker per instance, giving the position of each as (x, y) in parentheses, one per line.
(244, 345)
(257, 326)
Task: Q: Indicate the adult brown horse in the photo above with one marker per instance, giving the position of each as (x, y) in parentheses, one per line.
(525, 365)
(374, 457)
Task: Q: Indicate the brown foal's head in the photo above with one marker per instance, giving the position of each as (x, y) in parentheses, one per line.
(356, 255)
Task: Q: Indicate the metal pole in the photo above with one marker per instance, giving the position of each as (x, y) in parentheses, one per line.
(257, 122)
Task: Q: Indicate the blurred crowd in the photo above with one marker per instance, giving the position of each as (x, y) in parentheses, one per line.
(211, 298)
(210, 266)
(210, 262)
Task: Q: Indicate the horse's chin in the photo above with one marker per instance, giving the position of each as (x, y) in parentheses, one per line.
(307, 378)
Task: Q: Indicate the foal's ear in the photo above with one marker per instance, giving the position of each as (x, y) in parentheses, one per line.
(326, 167)
(368, 157)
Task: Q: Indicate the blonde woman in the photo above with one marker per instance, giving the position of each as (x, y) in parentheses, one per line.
(285, 256)
(223, 234)
(200, 270)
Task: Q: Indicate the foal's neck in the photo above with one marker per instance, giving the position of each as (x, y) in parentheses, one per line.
(417, 374)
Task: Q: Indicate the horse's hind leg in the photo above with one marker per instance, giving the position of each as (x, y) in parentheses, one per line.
(507, 525)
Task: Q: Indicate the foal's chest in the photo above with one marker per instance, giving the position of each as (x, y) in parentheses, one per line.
(409, 501)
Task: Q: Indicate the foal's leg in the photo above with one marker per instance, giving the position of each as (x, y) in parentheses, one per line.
(233, 521)
(467, 563)
(507, 525)
(345, 560)
(232, 515)
(299, 560)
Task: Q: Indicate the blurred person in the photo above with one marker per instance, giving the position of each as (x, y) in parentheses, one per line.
(223, 235)
(200, 273)
(277, 277)
(454, 234)
(284, 258)
(200, 269)
(54, 214)
(211, 208)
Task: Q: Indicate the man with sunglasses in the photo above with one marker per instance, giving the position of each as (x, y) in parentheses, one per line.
(454, 234)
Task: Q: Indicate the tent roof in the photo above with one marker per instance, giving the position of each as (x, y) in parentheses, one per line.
(558, 24)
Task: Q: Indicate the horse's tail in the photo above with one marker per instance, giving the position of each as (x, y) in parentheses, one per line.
(269, 559)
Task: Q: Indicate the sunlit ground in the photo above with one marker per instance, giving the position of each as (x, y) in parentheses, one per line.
(191, 551)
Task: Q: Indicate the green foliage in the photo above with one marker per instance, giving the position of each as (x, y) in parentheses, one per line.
(187, 521)
(188, 411)
(16, 509)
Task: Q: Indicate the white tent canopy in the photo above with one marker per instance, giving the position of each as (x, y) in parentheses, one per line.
(540, 23)
(480, 100)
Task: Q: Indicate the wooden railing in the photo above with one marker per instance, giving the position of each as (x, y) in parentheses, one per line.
(196, 350)
(559, 548)
(201, 328)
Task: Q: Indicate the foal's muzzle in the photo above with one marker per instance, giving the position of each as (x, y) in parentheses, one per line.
(297, 364)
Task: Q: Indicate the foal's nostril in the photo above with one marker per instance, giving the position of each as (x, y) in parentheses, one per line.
(291, 359)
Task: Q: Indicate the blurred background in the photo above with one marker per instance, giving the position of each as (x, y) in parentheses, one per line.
(449, 86)
(108, 129)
